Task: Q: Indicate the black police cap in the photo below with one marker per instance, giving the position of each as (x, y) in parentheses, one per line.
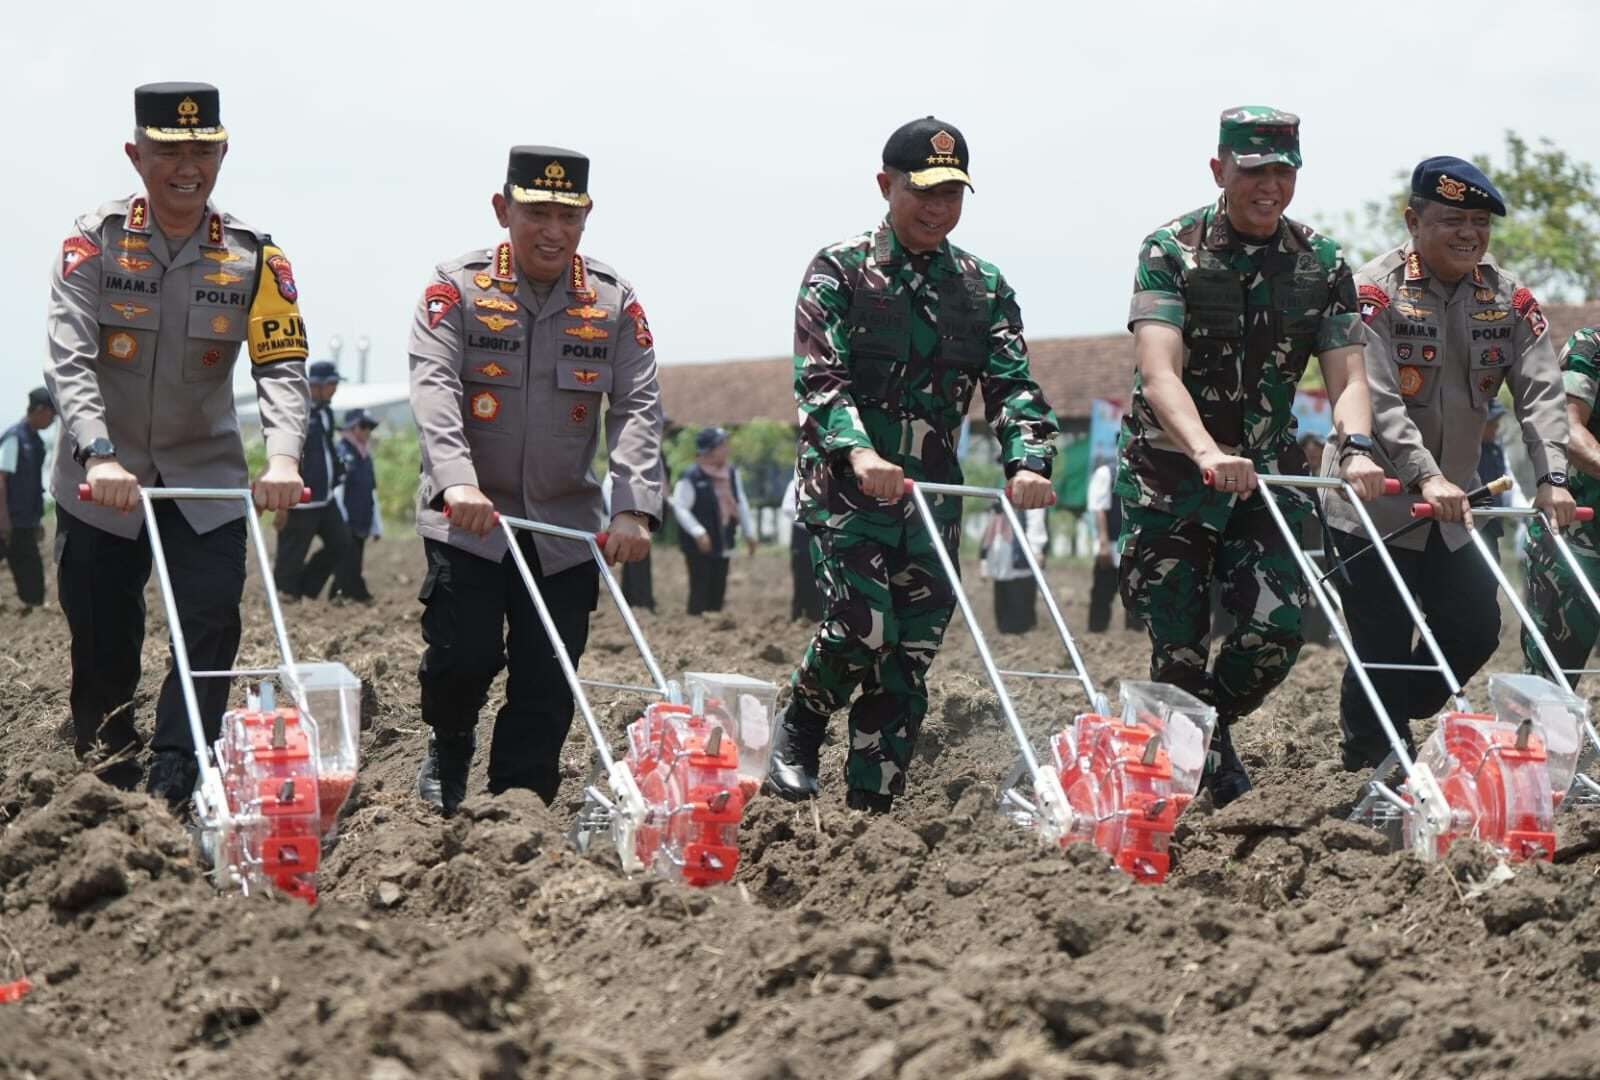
(322, 371)
(929, 151)
(1454, 182)
(548, 174)
(179, 112)
(40, 396)
(358, 417)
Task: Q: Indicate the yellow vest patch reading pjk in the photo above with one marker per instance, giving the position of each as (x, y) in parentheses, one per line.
(277, 332)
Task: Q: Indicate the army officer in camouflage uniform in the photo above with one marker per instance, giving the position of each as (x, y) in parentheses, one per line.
(1230, 302)
(894, 331)
(514, 350)
(150, 303)
(1447, 327)
(1563, 613)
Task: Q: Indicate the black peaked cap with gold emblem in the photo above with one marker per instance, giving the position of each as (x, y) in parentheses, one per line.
(1455, 182)
(929, 151)
(179, 112)
(548, 174)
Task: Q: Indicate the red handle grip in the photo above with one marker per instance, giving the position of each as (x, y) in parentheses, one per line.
(1421, 510)
(906, 487)
(85, 492)
(601, 537)
(1583, 513)
(1391, 486)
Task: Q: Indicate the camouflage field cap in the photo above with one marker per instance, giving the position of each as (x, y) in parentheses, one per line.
(1260, 135)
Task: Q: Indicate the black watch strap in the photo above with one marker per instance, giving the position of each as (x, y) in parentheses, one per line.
(100, 447)
(1554, 479)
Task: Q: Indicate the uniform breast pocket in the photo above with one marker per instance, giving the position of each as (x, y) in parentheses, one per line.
(1299, 304)
(213, 345)
(1417, 373)
(125, 351)
(575, 407)
(1214, 302)
(1486, 384)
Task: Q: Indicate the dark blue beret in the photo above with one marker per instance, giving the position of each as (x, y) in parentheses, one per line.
(1454, 182)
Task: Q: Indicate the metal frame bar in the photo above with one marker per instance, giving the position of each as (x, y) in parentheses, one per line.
(210, 784)
(510, 526)
(1422, 788)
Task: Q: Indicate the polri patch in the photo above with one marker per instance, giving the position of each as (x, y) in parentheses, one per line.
(439, 299)
(1373, 301)
(641, 325)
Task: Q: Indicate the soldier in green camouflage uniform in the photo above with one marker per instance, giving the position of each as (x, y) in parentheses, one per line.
(1230, 302)
(894, 331)
(1555, 599)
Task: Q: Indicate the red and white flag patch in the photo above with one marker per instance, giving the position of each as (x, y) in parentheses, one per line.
(439, 299)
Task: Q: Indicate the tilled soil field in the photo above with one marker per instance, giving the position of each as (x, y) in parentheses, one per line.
(937, 942)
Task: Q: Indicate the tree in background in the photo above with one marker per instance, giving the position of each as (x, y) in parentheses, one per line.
(1550, 237)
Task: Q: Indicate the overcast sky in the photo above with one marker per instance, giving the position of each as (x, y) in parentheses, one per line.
(730, 141)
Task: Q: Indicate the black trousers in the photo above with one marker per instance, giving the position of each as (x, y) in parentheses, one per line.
(708, 581)
(349, 579)
(807, 602)
(1457, 595)
(101, 580)
(27, 565)
(1016, 605)
(476, 612)
(296, 577)
(638, 584)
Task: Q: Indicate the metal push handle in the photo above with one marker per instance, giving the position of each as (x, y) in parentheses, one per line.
(1425, 510)
(210, 779)
(1319, 588)
(509, 526)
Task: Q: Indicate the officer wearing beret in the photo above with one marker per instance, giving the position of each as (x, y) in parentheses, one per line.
(1556, 600)
(515, 349)
(322, 468)
(151, 301)
(1230, 303)
(895, 329)
(1446, 328)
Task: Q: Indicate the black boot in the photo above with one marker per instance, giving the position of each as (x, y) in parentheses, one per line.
(442, 780)
(796, 753)
(870, 801)
(1224, 777)
(172, 777)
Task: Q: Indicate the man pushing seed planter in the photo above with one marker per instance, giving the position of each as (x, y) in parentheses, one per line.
(894, 330)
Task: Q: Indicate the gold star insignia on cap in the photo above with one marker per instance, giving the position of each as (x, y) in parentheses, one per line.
(188, 112)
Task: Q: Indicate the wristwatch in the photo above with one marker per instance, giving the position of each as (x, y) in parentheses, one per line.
(1031, 463)
(100, 447)
(1554, 479)
(1355, 444)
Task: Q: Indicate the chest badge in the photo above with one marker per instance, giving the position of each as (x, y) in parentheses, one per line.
(1410, 381)
(1483, 296)
(1403, 350)
(1491, 315)
(222, 277)
(496, 323)
(133, 243)
(579, 414)
(494, 303)
(585, 377)
(1494, 355)
(587, 332)
(485, 406)
(133, 264)
(1428, 354)
(222, 256)
(211, 358)
(482, 280)
(130, 311)
(122, 346)
(491, 370)
(588, 311)
(220, 324)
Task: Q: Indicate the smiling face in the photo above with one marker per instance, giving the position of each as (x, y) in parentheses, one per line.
(178, 177)
(1451, 241)
(544, 235)
(1256, 197)
(921, 219)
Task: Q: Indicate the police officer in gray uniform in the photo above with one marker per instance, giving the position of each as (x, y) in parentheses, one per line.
(513, 351)
(150, 302)
(1446, 328)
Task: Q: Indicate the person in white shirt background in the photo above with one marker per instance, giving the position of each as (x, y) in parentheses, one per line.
(710, 505)
(1002, 561)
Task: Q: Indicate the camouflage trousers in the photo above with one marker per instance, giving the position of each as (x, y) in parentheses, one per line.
(1557, 602)
(885, 613)
(1168, 567)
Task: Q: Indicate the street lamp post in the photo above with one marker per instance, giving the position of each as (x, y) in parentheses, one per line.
(363, 350)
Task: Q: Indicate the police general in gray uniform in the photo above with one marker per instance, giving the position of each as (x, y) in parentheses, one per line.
(151, 301)
(1446, 328)
(514, 350)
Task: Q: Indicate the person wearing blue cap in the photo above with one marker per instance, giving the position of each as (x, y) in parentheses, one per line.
(1446, 328)
(712, 510)
(323, 471)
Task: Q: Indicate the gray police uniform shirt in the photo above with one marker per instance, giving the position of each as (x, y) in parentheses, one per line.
(1436, 355)
(508, 390)
(142, 344)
